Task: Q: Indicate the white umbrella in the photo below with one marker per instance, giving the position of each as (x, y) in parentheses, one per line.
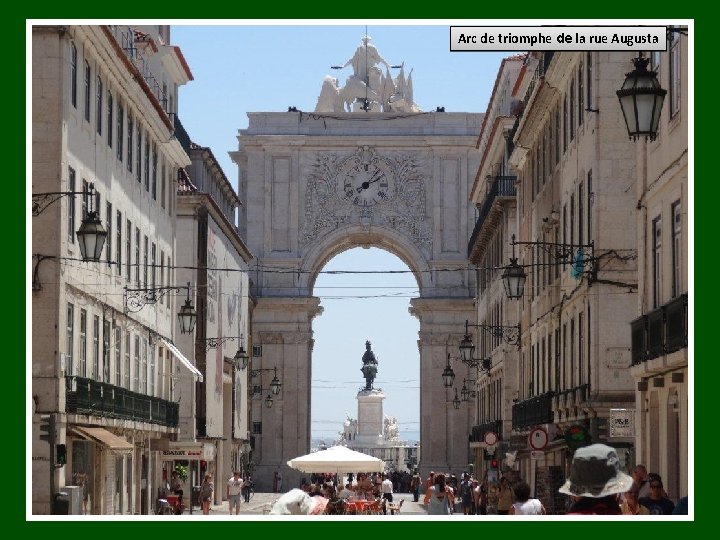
(337, 459)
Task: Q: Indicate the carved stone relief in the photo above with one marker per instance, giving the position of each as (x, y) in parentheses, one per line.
(367, 189)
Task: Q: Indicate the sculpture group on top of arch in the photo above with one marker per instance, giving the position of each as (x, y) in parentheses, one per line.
(368, 88)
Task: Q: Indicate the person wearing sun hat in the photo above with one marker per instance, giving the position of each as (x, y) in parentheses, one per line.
(596, 481)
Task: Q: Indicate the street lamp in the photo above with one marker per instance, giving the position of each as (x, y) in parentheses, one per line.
(511, 334)
(275, 384)
(91, 234)
(448, 375)
(241, 357)
(641, 100)
(456, 402)
(136, 299)
(187, 315)
(513, 277)
(268, 401)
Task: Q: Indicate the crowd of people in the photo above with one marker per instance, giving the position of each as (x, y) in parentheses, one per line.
(596, 485)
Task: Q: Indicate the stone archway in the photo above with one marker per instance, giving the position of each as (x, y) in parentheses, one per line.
(318, 185)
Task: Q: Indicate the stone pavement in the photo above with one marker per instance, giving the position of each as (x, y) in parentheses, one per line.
(261, 503)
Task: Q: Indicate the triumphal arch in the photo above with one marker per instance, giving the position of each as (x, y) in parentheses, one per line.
(367, 167)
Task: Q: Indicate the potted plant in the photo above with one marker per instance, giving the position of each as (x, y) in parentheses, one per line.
(181, 471)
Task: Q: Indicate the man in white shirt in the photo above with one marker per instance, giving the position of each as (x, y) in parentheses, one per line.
(386, 488)
(234, 490)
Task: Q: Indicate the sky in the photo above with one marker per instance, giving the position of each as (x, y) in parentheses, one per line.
(256, 68)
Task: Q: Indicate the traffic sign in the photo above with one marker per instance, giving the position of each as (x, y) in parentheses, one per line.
(536, 454)
(538, 438)
(490, 438)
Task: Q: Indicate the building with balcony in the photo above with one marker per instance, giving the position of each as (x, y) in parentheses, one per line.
(577, 242)
(494, 381)
(102, 101)
(660, 359)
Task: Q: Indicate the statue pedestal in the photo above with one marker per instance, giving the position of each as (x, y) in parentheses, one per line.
(370, 417)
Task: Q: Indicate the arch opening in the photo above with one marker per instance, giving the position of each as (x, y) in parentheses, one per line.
(372, 305)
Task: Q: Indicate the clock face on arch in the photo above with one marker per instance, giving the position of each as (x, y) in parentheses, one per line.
(365, 180)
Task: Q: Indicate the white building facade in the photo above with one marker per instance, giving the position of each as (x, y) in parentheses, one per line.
(103, 104)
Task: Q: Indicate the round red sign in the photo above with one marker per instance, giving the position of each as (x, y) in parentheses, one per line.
(538, 439)
(490, 438)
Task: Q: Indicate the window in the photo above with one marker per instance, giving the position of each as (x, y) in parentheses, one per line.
(572, 219)
(169, 277)
(110, 125)
(128, 340)
(674, 73)
(88, 78)
(677, 257)
(565, 123)
(154, 171)
(542, 365)
(82, 358)
(144, 366)
(130, 129)
(128, 249)
(71, 206)
(153, 261)
(162, 186)
(147, 162)
(136, 374)
(118, 241)
(96, 348)
(589, 207)
(108, 228)
(151, 374)
(138, 155)
(145, 262)
(98, 104)
(118, 356)
(85, 198)
(571, 110)
(73, 75)
(69, 339)
(162, 268)
(589, 72)
(581, 220)
(120, 129)
(589, 333)
(572, 353)
(657, 261)
(557, 359)
(106, 351)
(581, 348)
(581, 94)
(257, 428)
(563, 375)
(137, 257)
(557, 135)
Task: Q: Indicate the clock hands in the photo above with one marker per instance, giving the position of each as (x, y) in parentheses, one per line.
(377, 175)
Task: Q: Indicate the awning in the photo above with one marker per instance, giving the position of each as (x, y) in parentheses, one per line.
(102, 436)
(184, 361)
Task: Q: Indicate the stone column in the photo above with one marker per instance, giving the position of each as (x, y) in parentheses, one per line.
(443, 429)
(283, 326)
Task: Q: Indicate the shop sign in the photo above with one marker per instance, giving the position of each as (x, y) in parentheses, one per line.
(622, 423)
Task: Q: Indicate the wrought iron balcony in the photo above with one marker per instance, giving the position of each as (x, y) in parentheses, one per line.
(661, 331)
(534, 411)
(88, 396)
(500, 186)
(477, 433)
